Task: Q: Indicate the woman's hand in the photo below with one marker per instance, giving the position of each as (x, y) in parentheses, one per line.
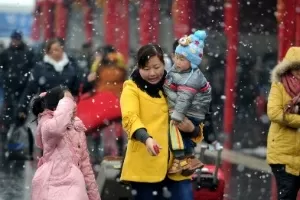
(186, 125)
(152, 147)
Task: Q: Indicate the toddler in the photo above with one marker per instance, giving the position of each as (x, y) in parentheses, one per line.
(189, 95)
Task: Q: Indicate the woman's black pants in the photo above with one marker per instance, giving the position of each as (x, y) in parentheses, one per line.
(288, 185)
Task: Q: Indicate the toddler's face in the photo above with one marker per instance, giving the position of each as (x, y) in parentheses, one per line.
(181, 63)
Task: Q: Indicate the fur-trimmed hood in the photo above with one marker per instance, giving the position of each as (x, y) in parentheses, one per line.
(290, 61)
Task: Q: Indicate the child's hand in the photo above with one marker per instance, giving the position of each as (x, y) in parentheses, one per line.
(68, 94)
(176, 123)
(186, 126)
(152, 146)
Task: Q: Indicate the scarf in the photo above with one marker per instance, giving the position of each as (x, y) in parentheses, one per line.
(58, 65)
(151, 89)
(292, 87)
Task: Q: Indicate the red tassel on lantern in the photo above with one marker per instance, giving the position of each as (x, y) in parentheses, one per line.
(109, 21)
(297, 42)
(289, 19)
(155, 21)
(47, 10)
(88, 21)
(181, 13)
(122, 36)
(61, 19)
(35, 30)
(149, 21)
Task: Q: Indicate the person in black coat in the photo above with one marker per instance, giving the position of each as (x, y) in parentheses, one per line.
(15, 61)
(55, 69)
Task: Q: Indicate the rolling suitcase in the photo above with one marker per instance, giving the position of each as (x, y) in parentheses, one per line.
(108, 180)
(209, 181)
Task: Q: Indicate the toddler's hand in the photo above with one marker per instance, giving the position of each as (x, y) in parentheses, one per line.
(176, 123)
(152, 146)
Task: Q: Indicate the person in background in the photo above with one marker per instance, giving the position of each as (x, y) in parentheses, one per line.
(55, 69)
(110, 76)
(85, 57)
(2, 47)
(64, 171)
(16, 62)
(145, 119)
(283, 147)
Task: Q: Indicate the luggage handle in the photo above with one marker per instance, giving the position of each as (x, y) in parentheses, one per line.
(218, 164)
(202, 151)
(219, 150)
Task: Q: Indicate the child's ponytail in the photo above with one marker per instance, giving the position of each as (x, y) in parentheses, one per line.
(48, 100)
(38, 105)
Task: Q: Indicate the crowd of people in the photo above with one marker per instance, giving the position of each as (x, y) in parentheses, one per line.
(52, 83)
(164, 106)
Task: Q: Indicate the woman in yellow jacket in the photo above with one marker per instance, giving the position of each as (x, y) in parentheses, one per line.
(283, 150)
(145, 119)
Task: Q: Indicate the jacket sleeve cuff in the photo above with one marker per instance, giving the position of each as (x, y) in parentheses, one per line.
(195, 133)
(177, 116)
(141, 135)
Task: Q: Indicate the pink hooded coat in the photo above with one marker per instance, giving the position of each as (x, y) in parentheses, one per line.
(64, 172)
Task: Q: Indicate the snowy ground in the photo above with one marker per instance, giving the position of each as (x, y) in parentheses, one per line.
(250, 178)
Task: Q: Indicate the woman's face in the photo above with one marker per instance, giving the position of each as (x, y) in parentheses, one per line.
(153, 71)
(56, 52)
(296, 73)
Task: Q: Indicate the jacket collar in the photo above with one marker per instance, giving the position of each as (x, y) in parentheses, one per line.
(58, 66)
(151, 89)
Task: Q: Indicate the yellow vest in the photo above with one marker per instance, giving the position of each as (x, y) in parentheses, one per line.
(139, 110)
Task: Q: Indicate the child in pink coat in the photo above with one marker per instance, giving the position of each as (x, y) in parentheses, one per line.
(64, 171)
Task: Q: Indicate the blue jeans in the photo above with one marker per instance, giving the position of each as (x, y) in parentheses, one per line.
(167, 189)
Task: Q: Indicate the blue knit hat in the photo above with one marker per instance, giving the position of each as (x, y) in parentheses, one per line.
(191, 47)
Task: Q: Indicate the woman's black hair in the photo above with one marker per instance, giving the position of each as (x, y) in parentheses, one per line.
(49, 101)
(148, 51)
(50, 42)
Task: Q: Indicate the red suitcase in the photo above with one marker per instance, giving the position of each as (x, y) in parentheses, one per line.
(209, 182)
